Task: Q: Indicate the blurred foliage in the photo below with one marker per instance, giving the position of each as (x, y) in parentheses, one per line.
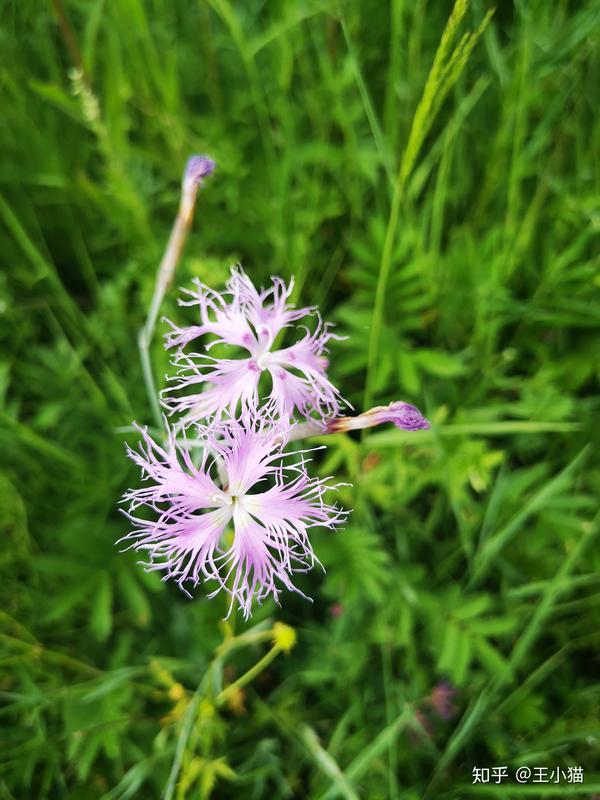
(471, 555)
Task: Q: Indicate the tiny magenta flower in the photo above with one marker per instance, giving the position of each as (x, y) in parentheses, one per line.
(336, 610)
(441, 700)
(250, 320)
(268, 502)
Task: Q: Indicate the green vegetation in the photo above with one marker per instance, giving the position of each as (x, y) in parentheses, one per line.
(444, 211)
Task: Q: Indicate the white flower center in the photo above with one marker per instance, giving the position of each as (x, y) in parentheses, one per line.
(261, 352)
(262, 361)
(222, 499)
(231, 498)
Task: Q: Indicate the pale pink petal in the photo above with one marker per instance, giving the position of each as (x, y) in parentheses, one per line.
(299, 378)
(183, 546)
(270, 312)
(173, 474)
(217, 386)
(249, 453)
(305, 393)
(254, 568)
(227, 322)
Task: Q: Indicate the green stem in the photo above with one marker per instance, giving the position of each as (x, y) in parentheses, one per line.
(164, 278)
(248, 676)
(231, 643)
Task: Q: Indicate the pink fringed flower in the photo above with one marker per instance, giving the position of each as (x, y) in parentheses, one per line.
(242, 482)
(238, 514)
(250, 320)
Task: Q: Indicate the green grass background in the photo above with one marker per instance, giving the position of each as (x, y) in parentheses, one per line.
(461, 261)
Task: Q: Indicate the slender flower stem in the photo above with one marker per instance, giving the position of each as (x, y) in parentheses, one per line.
(248, 676)
(184, 735)
(164, 277)
(197, 168)
(312, 427)
(255, 636)
(252, 636)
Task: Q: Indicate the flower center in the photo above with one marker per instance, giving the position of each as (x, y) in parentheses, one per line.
(263, 361)
(264, 341)
(223, 499)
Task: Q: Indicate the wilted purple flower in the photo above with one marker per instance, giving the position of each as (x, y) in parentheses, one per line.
(268, 503)
(402, 415)
(250, 319)
(196, 169)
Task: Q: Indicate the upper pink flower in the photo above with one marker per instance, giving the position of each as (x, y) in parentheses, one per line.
(250, 320)
(242, 482)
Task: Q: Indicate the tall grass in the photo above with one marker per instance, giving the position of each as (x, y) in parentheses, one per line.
(429, 174)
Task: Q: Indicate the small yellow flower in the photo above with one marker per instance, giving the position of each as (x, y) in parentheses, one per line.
(176, 692)
(235, 701)
(284, 637)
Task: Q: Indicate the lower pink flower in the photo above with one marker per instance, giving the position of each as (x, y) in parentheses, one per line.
(243, 482)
